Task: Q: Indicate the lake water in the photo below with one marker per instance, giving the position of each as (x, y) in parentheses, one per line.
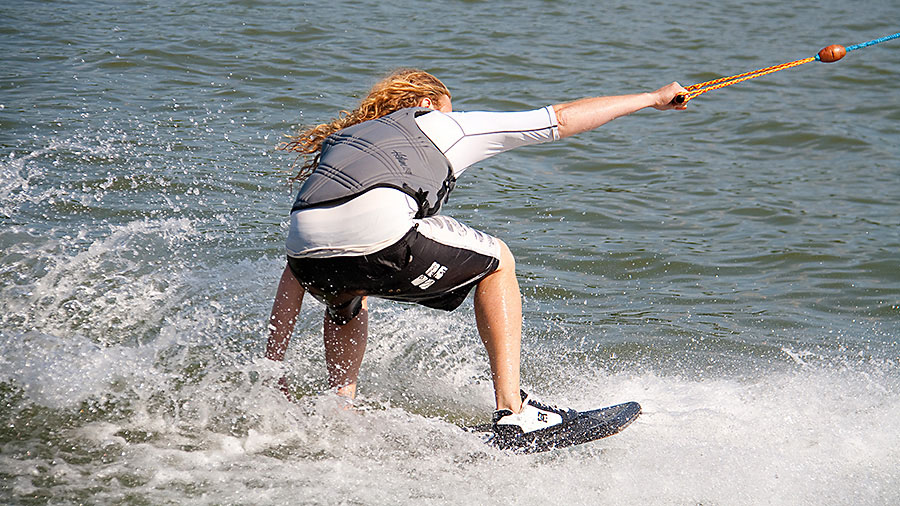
(735, 268)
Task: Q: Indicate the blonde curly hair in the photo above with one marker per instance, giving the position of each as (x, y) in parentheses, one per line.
(401, 89)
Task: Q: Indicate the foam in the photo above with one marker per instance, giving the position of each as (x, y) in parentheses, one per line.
(815, 434)
(190, 416)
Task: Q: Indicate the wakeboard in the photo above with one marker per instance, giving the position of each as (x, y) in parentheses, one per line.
(586, 427)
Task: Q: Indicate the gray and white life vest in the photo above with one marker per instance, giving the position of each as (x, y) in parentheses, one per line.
(389, 151)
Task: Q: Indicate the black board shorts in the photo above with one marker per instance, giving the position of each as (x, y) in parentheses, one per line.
(435, 264)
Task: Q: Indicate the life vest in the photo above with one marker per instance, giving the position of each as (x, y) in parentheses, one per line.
(390, 151)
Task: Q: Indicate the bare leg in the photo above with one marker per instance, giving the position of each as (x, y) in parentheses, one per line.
(287, 303)
(285, 309)
(345, 346)
(498, 315)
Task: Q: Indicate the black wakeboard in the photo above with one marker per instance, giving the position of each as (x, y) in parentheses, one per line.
(587, 426)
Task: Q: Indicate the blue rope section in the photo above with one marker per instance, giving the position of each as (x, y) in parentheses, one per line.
(869, 43)
(872, 42)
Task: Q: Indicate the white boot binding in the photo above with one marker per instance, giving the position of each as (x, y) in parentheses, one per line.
(535, 416)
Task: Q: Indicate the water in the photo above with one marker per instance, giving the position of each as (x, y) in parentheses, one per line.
(733, 268)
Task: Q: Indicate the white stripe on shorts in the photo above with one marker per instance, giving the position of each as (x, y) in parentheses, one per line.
(450, 232)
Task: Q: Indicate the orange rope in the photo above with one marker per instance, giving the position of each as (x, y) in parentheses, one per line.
(701, 88)
(828, 54)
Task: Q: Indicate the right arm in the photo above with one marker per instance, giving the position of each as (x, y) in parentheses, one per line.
(469, 137)
(589, 113)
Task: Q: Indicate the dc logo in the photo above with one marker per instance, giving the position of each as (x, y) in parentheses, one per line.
(434, 273)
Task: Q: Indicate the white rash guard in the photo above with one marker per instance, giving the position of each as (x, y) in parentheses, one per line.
(381, 216)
